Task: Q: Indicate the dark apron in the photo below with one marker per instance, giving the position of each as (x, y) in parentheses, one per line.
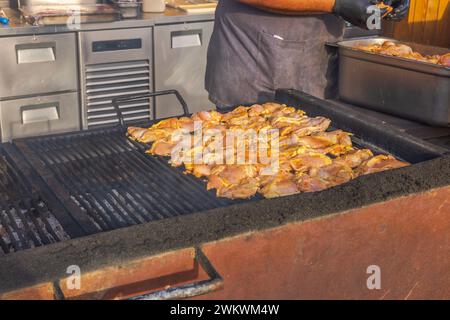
(252, 53)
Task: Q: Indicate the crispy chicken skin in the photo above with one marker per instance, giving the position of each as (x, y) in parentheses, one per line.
(310, 158)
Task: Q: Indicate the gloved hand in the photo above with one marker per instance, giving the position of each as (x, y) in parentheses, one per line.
(401, 8)
(355, 11)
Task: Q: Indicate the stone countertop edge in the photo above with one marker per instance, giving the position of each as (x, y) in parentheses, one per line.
(48, 263)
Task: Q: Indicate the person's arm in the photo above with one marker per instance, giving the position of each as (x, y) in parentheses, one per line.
(354, 11)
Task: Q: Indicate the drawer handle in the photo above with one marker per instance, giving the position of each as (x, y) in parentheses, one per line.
(40, 113)
(36, 52)
(186, 39)
(199, 288)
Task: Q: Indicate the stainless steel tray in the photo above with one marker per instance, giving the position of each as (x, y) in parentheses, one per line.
(407, 88)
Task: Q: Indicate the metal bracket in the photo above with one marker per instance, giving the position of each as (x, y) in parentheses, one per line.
(117, 101)
(215, 283)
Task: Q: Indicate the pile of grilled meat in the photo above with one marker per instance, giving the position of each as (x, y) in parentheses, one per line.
(390, 48)
(310, 158)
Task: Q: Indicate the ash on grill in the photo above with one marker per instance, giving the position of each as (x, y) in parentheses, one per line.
(25, 219)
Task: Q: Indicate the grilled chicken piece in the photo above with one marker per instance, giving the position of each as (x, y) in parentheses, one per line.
(235, 181)
(271, 107)
(399, 50)
(208, 116)
(233, 174)
(199, 170)
(445, 60)
(305, 162)
(305, 127)
(336, 150)
(239, 112)
(149, 135)
(312, 126)
(324, 177)
(216, 182)
(162, 148)
(287, 121)
(245, 189)
(379, 163)
(161, 130)
(325, 139)
(282, 184)
(136, 133)
(186, 124)
(355, 157)
(167, 123)
(255, 110)
(241, 119)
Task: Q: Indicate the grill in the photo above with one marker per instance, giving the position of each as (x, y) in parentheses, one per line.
(26, 221)
(105, 181)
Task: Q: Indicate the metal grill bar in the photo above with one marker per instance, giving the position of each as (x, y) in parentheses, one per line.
(25, 219)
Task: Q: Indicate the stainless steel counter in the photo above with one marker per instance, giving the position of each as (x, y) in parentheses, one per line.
(170, 16)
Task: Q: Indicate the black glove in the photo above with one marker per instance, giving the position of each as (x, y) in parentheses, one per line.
(355, 11)
(401, 8)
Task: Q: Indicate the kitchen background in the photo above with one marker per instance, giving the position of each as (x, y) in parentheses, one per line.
(57, 79)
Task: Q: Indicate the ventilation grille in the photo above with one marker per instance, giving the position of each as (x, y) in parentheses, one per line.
(107, 81)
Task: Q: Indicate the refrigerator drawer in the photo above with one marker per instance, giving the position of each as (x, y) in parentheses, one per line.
(38, 64)
(180, 63)
(39, 115)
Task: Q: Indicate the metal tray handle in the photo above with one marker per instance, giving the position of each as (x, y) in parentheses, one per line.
(199, 288)
(117, 101)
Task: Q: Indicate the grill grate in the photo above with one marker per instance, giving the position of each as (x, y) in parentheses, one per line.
(107, 81)
(25, 219)
(115, 184)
